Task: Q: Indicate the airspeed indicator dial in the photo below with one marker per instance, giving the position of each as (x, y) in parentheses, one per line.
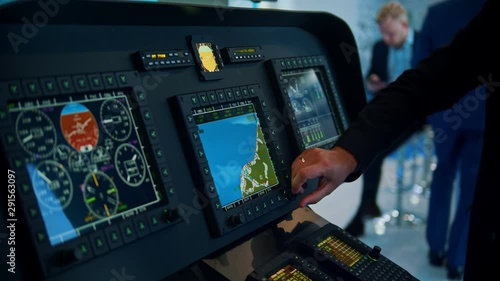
(36, 133)
(52, 185)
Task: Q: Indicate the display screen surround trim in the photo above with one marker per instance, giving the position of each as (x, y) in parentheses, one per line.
(235, 112)
(100, 148)
(308, 95)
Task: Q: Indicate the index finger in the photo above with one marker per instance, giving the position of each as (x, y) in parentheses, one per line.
(300, 176)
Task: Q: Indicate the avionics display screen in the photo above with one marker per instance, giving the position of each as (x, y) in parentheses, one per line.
(85, 161)
(340, 250)
(289, 272)
(236, 151)
(311, 106)
(205, 52)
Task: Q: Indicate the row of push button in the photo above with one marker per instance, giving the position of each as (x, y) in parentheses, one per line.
(248, 57)
(169, 62)
(292, 63)
(264, 205)
(223, 95)
(171, 54)
(168, 59)
(103, 241)
(49, 86)
(154, 140)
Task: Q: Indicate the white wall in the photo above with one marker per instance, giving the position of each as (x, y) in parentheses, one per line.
(345, 9)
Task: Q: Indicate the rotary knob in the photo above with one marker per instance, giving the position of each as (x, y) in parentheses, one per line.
(375, 253)
(235, 220)
(170, 215)
(67, 257)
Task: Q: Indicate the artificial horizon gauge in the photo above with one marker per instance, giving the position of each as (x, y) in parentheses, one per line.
(115, 120)
(130, 164)
(79, 127)
(100, 194)
(52, 185)
(36, 133)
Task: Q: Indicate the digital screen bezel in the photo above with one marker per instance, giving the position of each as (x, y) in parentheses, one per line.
(197, 112)
(196, 41)
(330, 85)
(94, 172)
(319, 75)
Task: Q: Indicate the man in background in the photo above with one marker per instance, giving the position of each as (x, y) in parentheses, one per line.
(390, 57)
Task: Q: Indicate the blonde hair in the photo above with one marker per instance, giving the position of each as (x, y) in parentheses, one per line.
(394, 10)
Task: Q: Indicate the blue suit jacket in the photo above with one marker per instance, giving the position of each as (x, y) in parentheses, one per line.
(438, 31)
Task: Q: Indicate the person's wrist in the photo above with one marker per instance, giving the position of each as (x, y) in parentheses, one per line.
(347, 158)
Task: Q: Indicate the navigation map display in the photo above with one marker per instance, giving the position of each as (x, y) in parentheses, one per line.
(236, 151)
(85, 161)
(311, 106)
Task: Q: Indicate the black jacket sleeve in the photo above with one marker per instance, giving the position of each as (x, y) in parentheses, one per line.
(435, 84)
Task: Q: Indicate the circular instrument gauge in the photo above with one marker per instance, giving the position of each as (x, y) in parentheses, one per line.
(36, 133)
(100, 195)
(78, 162)
(115, 120)
(296, 107)
(100, 155)
(52, 185)
(79, 127)
(293, 86)
(130, 164)
(62, 153)
(307, 105)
